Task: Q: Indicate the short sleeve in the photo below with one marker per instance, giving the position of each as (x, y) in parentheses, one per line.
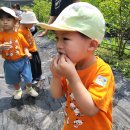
(1, 38)
(102, 89)
(23, 41)
(52, 12)
(58, 6)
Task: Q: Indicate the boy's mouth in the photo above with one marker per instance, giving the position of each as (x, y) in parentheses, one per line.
(60, 53)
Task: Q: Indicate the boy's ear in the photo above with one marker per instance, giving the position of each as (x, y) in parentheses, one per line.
(16, 21)
(93, 45)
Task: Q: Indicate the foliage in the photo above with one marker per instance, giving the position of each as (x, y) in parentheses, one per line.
(93, 2)
(111, 44)
(26, 8)
(117, 15)
(42, 10)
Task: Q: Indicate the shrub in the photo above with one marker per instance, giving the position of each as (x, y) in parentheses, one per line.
(42, 10)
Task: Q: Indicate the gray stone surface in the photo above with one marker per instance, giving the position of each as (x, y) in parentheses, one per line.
(121, 107)
(46, 113)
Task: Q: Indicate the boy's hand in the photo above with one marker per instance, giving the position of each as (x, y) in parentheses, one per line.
(5, 46)
(29, 55)
(64, 66)
(53, 67)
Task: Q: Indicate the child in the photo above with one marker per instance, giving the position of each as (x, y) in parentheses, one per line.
(28, 19)
(85, 79)
(14, 50)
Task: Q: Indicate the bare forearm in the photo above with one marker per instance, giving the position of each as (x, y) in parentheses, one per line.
(52, 19)
(56, 89)
(1, 47)
(82, 96)
(26, 51)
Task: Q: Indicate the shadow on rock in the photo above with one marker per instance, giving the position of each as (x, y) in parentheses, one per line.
(43, 101)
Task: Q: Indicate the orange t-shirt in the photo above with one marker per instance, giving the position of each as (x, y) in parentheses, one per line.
(99, 81)
(29, 38)
(18, 43)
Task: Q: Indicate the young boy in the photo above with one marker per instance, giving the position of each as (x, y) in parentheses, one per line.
(28, 19)
(14, 50)
(85, 79)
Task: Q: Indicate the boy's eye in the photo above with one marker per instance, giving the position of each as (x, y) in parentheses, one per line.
(65, 38)
(56, 38)
(8, 19)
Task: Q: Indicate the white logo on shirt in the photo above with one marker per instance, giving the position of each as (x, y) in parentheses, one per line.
(100, 80)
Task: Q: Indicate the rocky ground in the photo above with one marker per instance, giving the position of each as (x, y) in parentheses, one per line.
(46, 113)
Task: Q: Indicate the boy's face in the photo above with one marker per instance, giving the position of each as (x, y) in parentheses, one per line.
(7, 24)
(28, 25)
(73, 45)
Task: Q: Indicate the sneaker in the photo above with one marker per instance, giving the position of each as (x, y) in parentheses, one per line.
(31, 92)
(34, 82)
(17, 94)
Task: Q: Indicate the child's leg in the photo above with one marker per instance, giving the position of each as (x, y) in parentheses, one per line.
(31, 91)
(17, 86)
(18, 92)
(27, 76)
(12, 76)
(36, 66)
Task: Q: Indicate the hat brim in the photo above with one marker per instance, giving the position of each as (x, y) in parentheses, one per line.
(8, 11)
(54, 27)
(22, 22)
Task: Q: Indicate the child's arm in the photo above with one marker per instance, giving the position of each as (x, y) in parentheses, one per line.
(82, 96)
(26, 51)
(5, 46)
(0, 48)
(56, 89)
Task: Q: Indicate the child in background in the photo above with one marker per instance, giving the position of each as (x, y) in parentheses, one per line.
(14, 50)
(28, 19)
(16, 8)
(85, 79)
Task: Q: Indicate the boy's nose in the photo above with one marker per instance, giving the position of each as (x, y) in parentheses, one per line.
(59, 44)
(5, 21)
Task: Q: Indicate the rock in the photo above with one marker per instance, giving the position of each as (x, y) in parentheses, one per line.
(121, 103)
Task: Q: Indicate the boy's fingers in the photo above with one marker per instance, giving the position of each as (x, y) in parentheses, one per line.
(55, 61)
(62, 58)
(65, 59)
(6, 43)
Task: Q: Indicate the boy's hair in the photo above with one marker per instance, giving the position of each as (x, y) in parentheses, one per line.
(17, 6)
(5, 15)
(81, 17)
(13, 6)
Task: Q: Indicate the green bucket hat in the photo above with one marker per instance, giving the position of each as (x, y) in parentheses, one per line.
(82, 17)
